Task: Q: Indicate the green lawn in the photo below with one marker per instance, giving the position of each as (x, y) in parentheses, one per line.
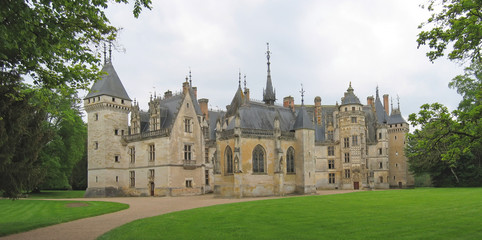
(56, 194)
(22, 215)
(427, 213)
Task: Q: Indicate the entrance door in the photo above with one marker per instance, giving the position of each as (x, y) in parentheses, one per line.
(356, 185)
(151, 188)
(400, 184)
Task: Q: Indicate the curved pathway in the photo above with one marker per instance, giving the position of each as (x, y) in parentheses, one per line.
(140, 207)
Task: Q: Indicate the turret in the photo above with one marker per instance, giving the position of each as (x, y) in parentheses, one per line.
(107, 106)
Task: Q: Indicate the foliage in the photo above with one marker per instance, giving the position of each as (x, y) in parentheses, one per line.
(23, 131)
(67, 146)
(456, 24)
(400, 214)
(78, 178)
(55, 42)
(37, 213)
(448, 145)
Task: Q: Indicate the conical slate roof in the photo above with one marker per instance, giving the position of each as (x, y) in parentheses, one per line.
(396, 117)
(109, 84)
(303, 120)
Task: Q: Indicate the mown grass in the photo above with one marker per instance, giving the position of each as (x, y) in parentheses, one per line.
(395, 214)
(23, 215)
(57, 194)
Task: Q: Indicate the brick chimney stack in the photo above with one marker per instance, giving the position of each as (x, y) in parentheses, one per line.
(370, 101)
(289, 102)
(203, 104)
(385, 103)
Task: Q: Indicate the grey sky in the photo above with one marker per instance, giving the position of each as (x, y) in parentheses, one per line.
(321, 44)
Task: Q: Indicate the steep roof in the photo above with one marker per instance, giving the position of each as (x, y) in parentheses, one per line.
(382, 116)
(350, 97)
(255, 115)
(396, 117)
(109, 84)
(303, 120)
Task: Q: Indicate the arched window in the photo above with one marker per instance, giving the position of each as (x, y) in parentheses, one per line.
(290, 160)
(258, 159)
(229, 159)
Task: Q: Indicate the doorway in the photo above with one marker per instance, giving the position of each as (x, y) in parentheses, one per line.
(400, 185)
(356, 185)
(151, 188)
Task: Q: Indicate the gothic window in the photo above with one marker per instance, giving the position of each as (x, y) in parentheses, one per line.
(290, 160)
(258, 159)
(331, 150)
(187, 152)
(347, 157)
(132, 179)
(346, 142)
(187, 125)
(152, 152)
(132, 154)
(347, 173)
(353, 119)
(331, 164)
(331, 178)
(229, 159)
(151, 173)
(354, 140)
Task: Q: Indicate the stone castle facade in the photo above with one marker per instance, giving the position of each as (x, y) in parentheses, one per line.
(180, 147)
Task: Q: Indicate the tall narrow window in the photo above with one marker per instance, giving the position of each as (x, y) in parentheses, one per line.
(189, 183)
(116, 158)
(96, 145)
(290, 160)
(151, 173)
(187, 125)
(379, 136)
(331, 164)
(206, 155)
(347, 157)
(187, 152)
(258, 159)
(152, 152)
(132, 179)
(331, 178)
(347, 173)
(353, 119)
(380, 151)
(331, 150)
(346, 142)
(380, 165)
(330, 135)
(96, 116)
(206, 176)
(229, 159)
(354, 140)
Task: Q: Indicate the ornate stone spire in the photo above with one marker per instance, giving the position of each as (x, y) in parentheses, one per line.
(269, 94)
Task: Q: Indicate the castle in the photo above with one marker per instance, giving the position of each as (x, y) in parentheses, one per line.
(253, 148)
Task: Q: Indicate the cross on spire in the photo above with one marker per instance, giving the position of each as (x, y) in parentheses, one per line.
(302, 95)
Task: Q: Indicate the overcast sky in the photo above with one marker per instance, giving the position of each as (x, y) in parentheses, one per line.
(321, 44)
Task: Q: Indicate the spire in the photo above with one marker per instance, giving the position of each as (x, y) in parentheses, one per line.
(239, 80)
(398, 102)
(110, 51)
(269, 94)
(190, 77)
(378, 96)
(302, 96)
(105, 54)
(391, 103)
(245, 83)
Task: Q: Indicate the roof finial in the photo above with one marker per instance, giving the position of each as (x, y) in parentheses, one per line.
(239, 80)
(377, 92)
(245, 82)
(186, 78)
(268, 53)
(391, 103)
(302, 95)
(398, 102)
(110, 51)
(190, 77)
(105, 53)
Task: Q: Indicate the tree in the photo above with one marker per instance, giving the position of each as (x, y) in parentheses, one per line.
(455, 24)
(54, 43)
(448, 145)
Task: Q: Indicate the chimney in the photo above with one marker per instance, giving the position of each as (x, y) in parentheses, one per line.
(288, 102)
(318, 110)
(195, 92)
(370, 101)
(185, 87)
(385, 102)
(167, 94)
(203, 104)
(246, 94)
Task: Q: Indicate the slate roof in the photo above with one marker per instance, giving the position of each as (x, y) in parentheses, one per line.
(382, 116)
(396, 117)
(350, 97)
(255, 115)
(303, 120)
(109, 84)
(371, 123)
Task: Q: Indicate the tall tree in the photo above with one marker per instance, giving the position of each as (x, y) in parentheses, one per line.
(448, 145)
(53, 42)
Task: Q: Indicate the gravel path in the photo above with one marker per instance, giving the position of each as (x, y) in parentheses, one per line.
(140, 207)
